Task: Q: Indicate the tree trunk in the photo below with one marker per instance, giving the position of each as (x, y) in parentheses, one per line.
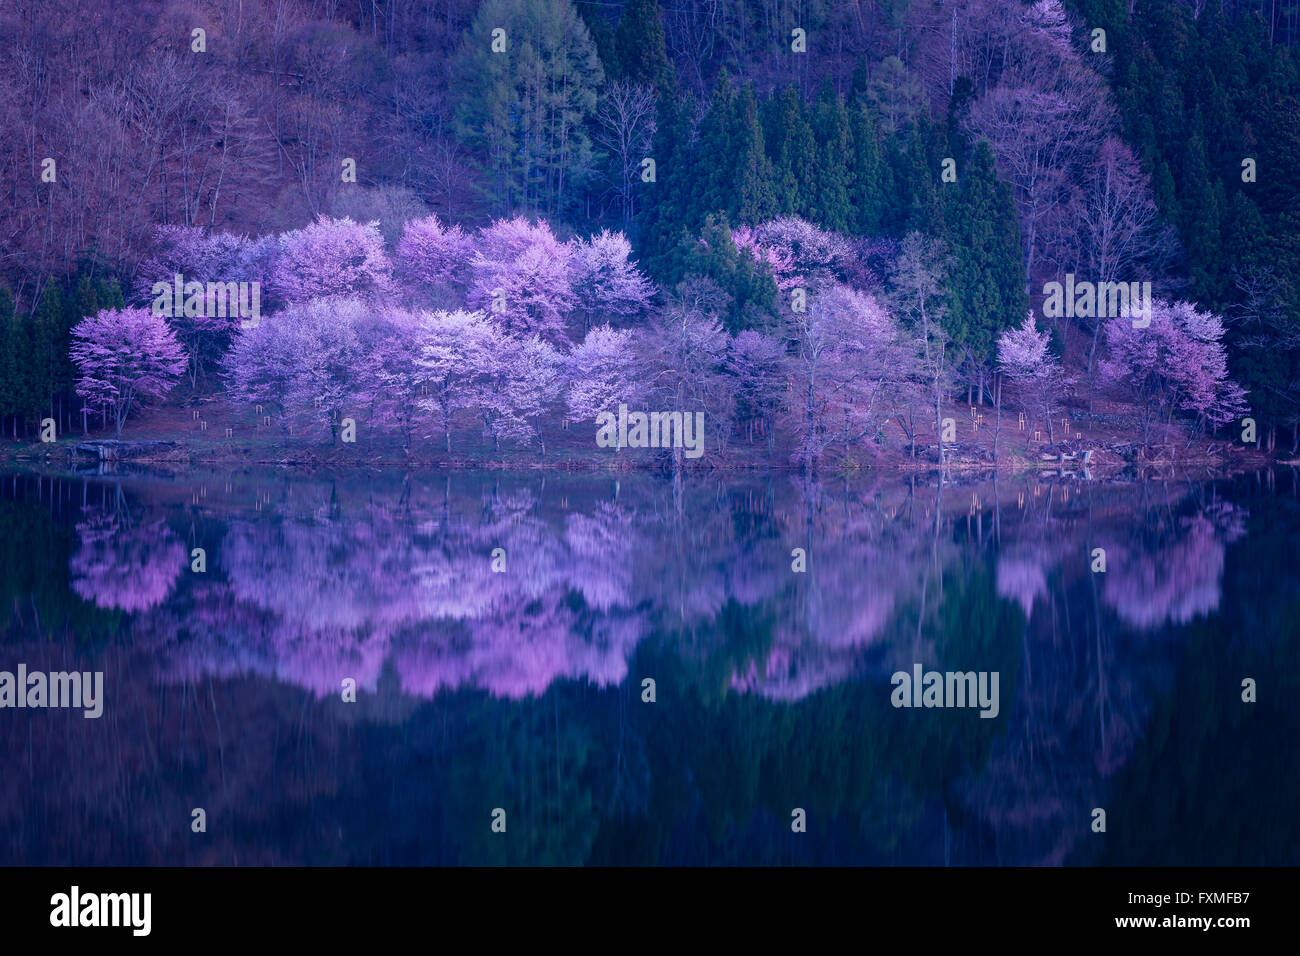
(938, 409)
(997, 420)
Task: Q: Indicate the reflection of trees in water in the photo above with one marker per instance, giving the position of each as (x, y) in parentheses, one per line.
(322, 594)
(322, 586)
(1022, 575)
(124, 564)
(316, 596)
(396, 585)
(1175, 573)
(1091, 673)
(863, 565)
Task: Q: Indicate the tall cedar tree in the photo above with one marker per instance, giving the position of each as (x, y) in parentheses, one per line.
(986, 282)
(639, 45)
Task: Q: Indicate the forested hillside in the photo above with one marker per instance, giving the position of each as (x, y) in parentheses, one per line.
(847, 213)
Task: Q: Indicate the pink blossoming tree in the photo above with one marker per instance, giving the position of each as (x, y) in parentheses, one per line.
(604, 370)
(332, 257)
(1177, 363)
(307, 361)
(391, 378)
(522, 279)
(1031, 369)
(434, 257)
(607, 285)
(778, 260)
(453, 361)
(522, 382)
(200, 256)
(845, 367)
(125, 357)
(759, 364)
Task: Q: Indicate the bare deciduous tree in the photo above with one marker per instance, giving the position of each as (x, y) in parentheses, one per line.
(625, 123)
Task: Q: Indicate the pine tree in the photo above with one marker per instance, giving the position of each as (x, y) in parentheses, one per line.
(47, 324)
(986, 289)
(639, 45)
(715, 156)
(918, 176)
(1204, 206)
(833, 209)
(755, 201)
(602, 38)
(867, 183)
(525, 109)
(84, 301)
(667, 203)
(713, 254)
(787, 139)
(110, 295)
(8, 369)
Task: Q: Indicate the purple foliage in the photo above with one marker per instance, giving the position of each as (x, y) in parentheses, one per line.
(431, 255)
(1176, 364)
(124, 358)
(523, 280)
(332, 257)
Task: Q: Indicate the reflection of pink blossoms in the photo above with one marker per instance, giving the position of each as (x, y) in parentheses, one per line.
(320, 600)
(519, 653)
(1173, 585)
(128, 569)
(1022, 578)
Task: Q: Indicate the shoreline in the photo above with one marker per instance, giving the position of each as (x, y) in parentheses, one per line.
(1215, 459)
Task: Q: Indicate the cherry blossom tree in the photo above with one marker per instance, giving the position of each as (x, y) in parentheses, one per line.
(453, 359)
(778, 260)
(200, 256)
(434, 256)
(330, 367)
(607, 285)
(259, 368)
(522, 381)
(522, 279)
(1177, 363)
(846, 358)
(758, 364)
(332, 257)
(686, 349)
(811, 255)
(605, 369)
(125, 357)
(1030, 368)
(306, 361)
(505, 239)
(1049, 17)
(393, 379)
(175, 248)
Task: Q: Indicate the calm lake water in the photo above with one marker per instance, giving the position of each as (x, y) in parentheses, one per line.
(523, 689)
